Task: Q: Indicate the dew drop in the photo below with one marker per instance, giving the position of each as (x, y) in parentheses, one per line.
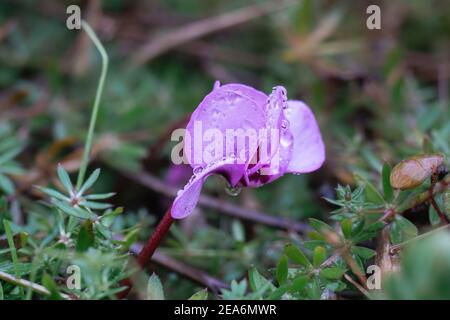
(285, 123)
(232, 191)
(285, 141)
(197, 170)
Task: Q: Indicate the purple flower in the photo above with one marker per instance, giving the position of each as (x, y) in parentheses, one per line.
(265, 137)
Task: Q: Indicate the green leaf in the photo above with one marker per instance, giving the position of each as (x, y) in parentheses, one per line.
(320, 226)
(12, 169)
(154, 288)
(76, 212)
(433, 216)
(99, 196)
(256, 280)
(282, 270)
(346, 226)
(50, 284)
(65, 179)
(299, 284)
(333, 273)
(238, 231)
(9, 155)
(319, 256)
(402, 230)
(200, 295)
(375, 227)
(14, 257)
(108, 218)
(313, 289)
(358, 227)
(6, 184)
(278, 293)
(372, 194)
(104, 231)
(89, 182)
(395, 233)
(363, 252)
(2, 297)
(86, 237)
(387, 188)
(53, 193)
(95, 205)
(369, 232)
(446, 202)
(296, 255)
(408, 228)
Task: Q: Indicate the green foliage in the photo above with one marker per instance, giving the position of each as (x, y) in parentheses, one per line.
(154, 288)
(10, 148)
(374, 109)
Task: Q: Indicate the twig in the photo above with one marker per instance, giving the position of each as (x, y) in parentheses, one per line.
(28, 284)
(356, 285)
(436, 207)
(186, 33)
(395, 248)
(159, 186)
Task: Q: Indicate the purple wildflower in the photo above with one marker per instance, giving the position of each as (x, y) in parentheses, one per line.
(295, 147)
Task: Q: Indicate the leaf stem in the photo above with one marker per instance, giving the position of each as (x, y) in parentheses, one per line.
(101, 83)
(14, 257)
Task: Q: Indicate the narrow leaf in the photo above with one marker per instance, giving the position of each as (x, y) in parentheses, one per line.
(200, 295)
(76, 212)
(319, 256)
(296, 255)
(282, 270)
(65, 179)
(90, 181)
(387, 187)
(154, 288)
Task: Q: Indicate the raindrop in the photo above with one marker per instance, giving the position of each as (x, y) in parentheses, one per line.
(197, 170)
(285, 123)
(286, 141)
(233, 191)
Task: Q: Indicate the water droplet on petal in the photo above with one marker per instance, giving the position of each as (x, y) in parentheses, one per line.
(285, 123)
(233, 191)
(197, 170)
(286, 141)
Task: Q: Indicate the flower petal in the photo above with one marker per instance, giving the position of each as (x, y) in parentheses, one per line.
(228, 107)
(308, 148)
(187, 198)
(275, 151)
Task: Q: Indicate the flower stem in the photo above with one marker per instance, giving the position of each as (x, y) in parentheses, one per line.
(98, 95)
(152, 244)
(149, 249)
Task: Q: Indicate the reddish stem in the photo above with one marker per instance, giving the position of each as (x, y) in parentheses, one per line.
(149, 249)
(436, 207)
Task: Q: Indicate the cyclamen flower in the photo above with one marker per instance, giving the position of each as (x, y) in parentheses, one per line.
(296, 147)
